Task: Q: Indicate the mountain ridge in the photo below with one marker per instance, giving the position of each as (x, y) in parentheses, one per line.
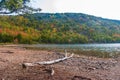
(59, 28)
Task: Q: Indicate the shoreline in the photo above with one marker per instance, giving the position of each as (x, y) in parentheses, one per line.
(83, 50)
(77, 67)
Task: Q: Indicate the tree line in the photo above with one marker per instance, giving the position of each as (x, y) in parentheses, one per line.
(57, 28)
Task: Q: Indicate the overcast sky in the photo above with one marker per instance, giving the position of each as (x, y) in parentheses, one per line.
(101, 8)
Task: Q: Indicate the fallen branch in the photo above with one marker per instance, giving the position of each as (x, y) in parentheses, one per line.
(51, 71)
(54, 61)
(48, 62)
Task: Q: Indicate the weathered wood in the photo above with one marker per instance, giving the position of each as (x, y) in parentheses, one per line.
(52, 72)
(48, 62)
(54, 61)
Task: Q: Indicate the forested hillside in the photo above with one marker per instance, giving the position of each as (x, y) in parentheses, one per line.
(58, 28)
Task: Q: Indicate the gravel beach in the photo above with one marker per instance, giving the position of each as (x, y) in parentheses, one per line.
(76, 68)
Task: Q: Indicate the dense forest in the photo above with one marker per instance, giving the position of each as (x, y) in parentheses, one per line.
(58, 28)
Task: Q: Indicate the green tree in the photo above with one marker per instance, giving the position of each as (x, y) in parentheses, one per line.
(16, 6)
(19, 37)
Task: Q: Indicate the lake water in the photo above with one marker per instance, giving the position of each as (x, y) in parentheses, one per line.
(99, 50)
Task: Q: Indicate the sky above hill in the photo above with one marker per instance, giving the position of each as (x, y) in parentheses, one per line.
(102, 8)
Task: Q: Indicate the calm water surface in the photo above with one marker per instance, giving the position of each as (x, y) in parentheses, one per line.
(109, 50)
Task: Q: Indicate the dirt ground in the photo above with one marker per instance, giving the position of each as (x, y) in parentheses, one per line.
(75, 68)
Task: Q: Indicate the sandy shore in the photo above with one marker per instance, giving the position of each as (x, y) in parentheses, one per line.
(75, 68)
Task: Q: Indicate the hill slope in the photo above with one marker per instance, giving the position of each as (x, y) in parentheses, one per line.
(59, 28)
(96, 29)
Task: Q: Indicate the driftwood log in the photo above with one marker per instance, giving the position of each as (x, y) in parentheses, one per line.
(24, 65)
(49, 62)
